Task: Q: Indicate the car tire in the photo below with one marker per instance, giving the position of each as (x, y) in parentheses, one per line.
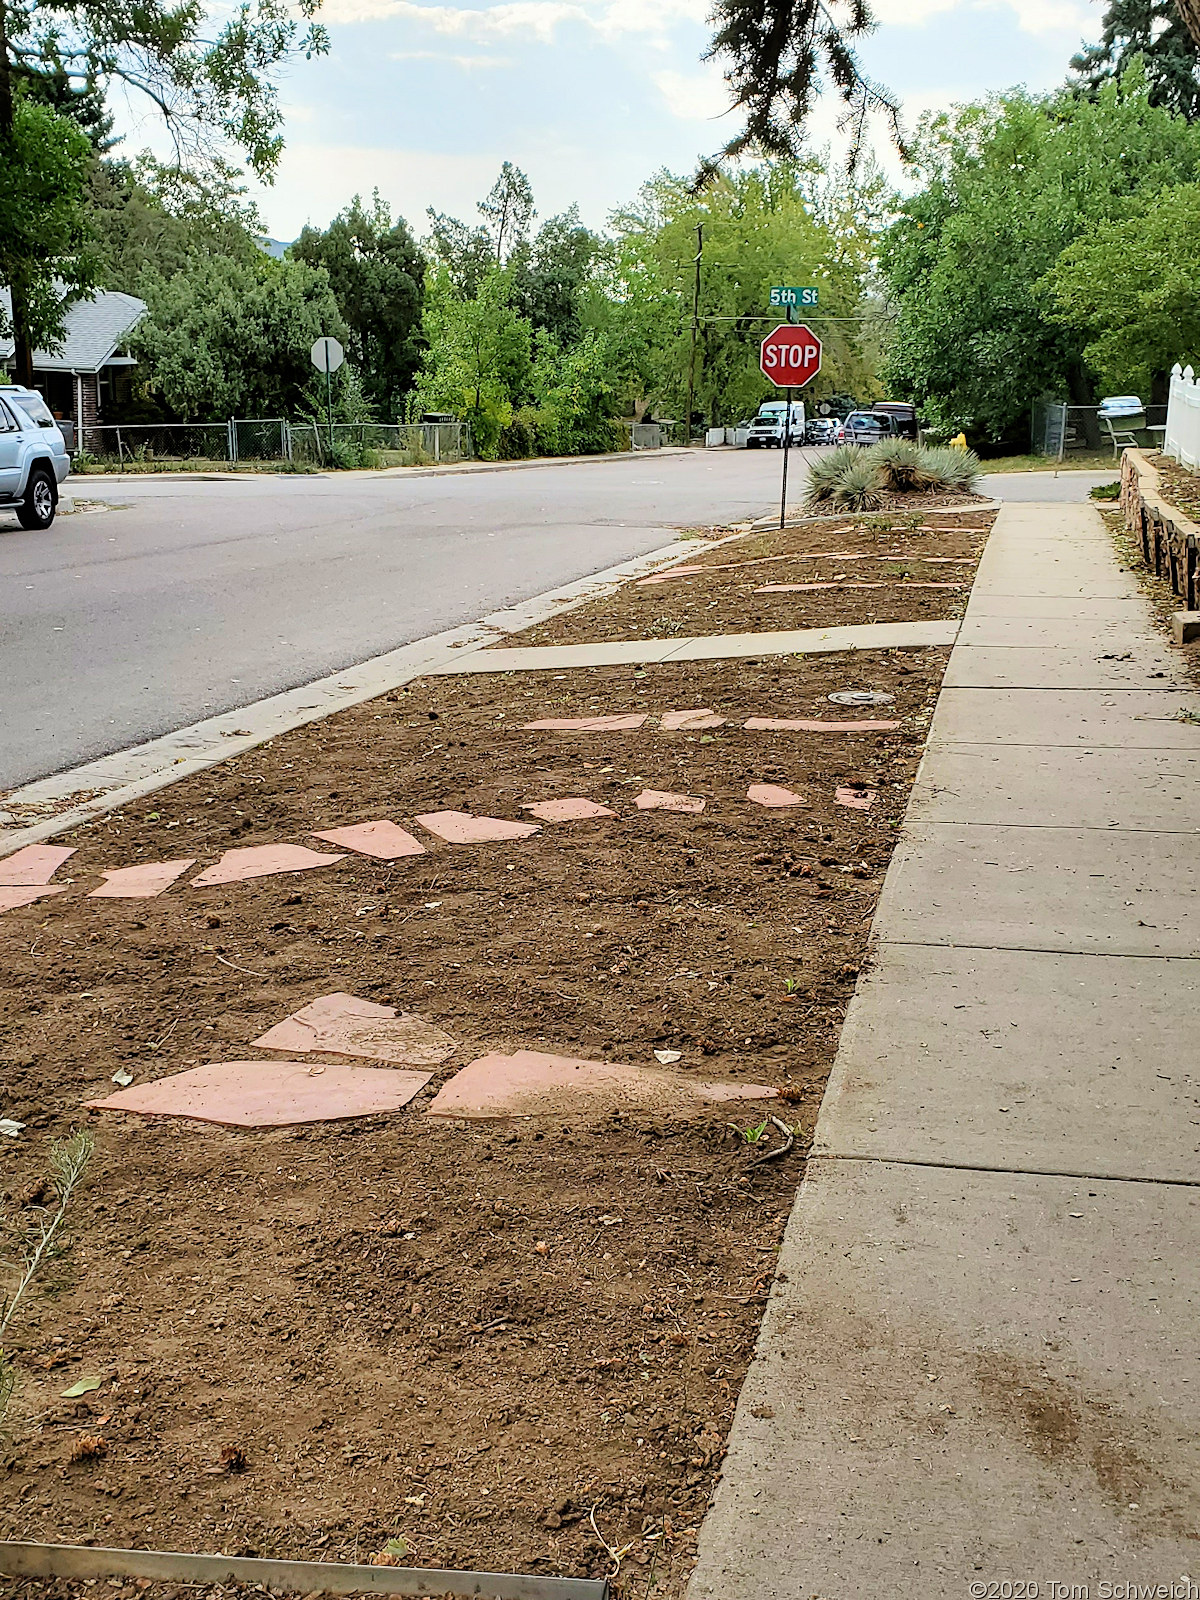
(41, 498)
(751, 444)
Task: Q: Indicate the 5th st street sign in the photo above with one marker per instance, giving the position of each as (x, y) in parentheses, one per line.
(785, 296)
(791, 355)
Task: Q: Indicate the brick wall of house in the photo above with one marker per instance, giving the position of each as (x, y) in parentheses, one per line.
(87, 408)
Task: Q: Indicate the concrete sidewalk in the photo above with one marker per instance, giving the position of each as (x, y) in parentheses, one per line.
(978, 1366)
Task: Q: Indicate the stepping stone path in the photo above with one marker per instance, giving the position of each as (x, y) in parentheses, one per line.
(857, 799)
(530, 1083)
(617, 724)
(260, 861)
(143, 882)
(12, 896)
(659, 800)
(384, 840)
(812, 725)
(570, 810)
(459, 827)
(342, 1025)
(772, 795)
(675, 721)
(269, 1094)
(35, 864)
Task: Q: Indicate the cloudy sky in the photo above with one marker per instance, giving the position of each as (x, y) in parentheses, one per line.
(425, 100)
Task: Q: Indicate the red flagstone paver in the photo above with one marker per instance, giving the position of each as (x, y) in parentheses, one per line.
(530, 1083)
(459, 827)
(813, 725)
(672, 572)
(269, 1094)
(36, 863)
(259, 861)
(857, 799)
(567, 810)
(806, 588)
(384, 840)
(343, 1025)
(673, 721)
(14, 895)
(142, 882)
(771, 794)
(659, 800)
(617, 724)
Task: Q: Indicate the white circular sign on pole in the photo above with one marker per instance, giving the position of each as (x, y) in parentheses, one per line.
(327, 355)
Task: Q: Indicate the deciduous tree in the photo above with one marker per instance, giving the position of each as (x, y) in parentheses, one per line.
(377, 275)
(209, 78)
(45, 259)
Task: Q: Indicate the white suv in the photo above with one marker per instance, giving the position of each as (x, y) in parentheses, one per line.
(33, 456)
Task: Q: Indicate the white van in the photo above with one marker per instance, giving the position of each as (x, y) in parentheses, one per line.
(767, 428)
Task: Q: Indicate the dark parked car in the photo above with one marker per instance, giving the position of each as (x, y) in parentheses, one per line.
(906, 423)
(821, 430)
(866, 427)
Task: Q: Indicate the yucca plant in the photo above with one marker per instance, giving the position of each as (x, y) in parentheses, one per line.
(901, 464)
(858, 485)
(951, 469)
(825, 473)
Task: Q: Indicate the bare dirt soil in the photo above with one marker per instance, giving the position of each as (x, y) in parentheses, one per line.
(899, 552)
(474, 1338)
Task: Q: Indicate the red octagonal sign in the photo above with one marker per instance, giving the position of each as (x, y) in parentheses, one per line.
(791, 355)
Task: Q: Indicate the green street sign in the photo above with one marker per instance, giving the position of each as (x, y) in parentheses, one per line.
(793, 297)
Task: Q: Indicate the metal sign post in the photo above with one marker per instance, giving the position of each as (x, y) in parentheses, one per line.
(790, 357)
(327, 356)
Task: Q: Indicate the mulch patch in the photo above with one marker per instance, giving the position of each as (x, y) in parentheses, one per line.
(470, 1337)
(724, 600)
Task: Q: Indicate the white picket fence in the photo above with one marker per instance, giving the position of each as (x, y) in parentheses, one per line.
(1183, 418)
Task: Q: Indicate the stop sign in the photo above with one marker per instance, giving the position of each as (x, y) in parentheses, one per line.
(791, 355)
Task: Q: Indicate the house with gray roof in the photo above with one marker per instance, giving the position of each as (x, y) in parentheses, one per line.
(80, 381)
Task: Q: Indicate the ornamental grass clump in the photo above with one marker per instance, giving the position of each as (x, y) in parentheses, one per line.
(855, 479)
(957, 471)
(859, 485)
(825, 472)
(902, 466)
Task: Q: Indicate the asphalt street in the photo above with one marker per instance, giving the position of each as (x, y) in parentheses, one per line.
(176, 600)
(184, 599)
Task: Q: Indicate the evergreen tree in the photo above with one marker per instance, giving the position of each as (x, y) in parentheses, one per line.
(1154, 30)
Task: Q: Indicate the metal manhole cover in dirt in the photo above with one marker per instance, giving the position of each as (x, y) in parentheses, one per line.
(861, 697)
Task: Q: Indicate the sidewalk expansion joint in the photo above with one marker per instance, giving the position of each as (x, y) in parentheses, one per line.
(1047, 827)
(1003, 1171)
(1032, 950)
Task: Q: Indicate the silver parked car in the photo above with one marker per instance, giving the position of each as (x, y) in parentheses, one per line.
(33, 456)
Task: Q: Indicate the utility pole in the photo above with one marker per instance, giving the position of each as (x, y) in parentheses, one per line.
(695, 329)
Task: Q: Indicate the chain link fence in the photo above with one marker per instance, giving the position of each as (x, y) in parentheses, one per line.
(245, 439)
(157, 441)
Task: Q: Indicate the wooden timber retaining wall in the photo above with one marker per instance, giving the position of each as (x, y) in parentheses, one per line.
(1169, 541)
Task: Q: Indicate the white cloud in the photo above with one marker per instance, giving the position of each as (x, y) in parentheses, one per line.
(1052, 16)
(528, 19)
(467, 63)
(694, 97)
(911, 13)
(316, 181)
(1032, 16)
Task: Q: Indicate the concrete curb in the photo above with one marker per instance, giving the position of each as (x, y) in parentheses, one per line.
(36, 811)
(384, 472)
